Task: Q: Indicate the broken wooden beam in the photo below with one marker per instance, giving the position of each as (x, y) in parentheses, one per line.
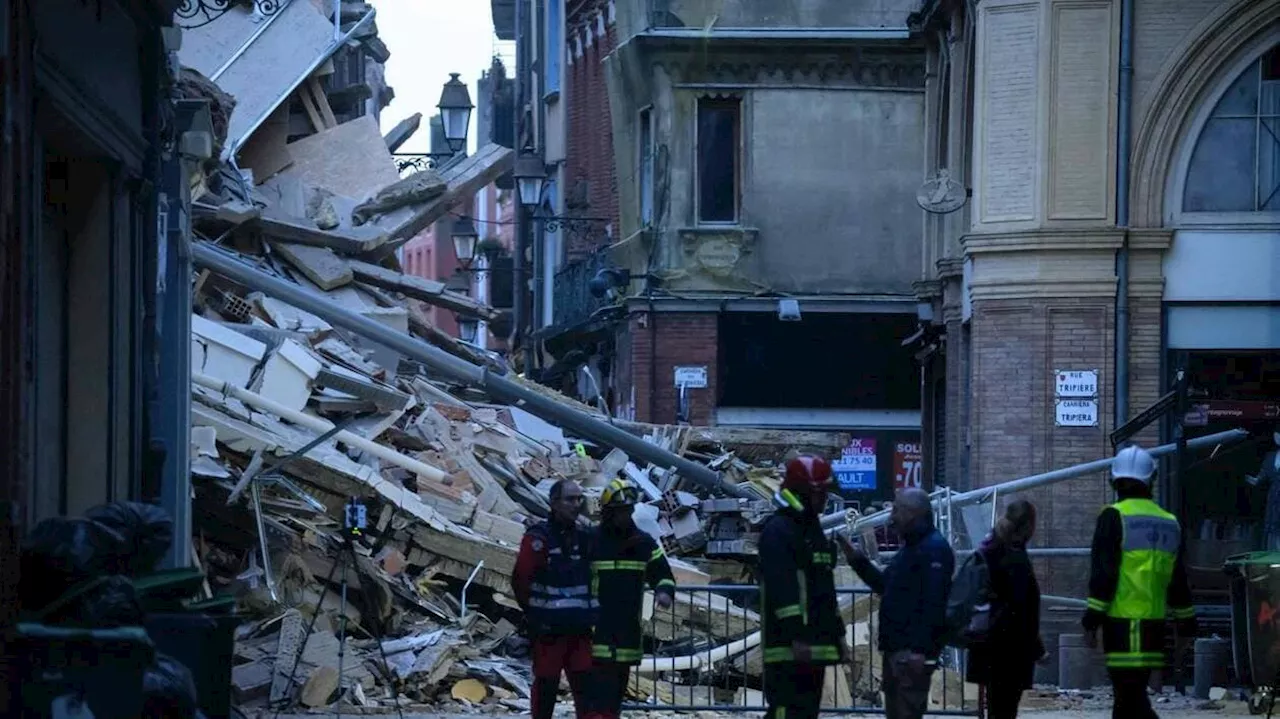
(344, 240)
(419, 288)
(463, 179)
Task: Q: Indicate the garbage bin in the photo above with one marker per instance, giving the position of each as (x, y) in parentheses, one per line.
(103, 666)
(206, 645)
(1255, 616)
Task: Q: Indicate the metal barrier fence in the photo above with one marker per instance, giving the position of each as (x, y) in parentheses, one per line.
(706, 654)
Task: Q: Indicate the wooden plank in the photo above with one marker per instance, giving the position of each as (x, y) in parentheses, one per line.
(420, 288)
(313, 112)
(291, 638)
(348, 241)
(351, 159)
(267, 152)
(463, 180)
(322, 102)
(319, 264)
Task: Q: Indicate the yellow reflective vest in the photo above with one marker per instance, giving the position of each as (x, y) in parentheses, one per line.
(1133, 633)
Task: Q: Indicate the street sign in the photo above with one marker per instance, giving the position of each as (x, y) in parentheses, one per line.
(1076, 413)
(907, 459)
(1075, 383)
(856, 468)
(691, 376)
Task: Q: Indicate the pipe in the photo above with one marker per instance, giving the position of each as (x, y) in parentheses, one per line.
(459, 370)
(267, 404)
(881, 518)
(1124, 122)
(653, 665)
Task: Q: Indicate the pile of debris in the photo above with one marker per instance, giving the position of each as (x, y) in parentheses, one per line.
(292, 417)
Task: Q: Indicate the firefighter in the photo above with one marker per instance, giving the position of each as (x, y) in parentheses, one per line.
(803, 633)
(551, 583)
(624, 560)
(1137, 578)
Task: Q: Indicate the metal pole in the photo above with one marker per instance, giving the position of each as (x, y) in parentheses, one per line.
(459, 370)
(519, 306)
(1124, 114)
(976, 496)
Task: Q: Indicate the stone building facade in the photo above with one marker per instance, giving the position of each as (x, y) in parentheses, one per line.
(751, 177)
(1117, 177)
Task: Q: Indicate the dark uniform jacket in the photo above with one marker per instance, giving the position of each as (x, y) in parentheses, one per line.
(797, 586)
(914, 590)
(551, 580)
(622, 566)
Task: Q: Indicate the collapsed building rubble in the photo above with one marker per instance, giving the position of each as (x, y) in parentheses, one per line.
(294, 413)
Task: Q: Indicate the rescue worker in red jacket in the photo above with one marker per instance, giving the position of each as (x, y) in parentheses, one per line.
(624, 560)
(803, 633)
(551, 583)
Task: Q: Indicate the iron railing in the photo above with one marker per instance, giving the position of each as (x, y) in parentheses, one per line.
(706, 655)
(573, 301)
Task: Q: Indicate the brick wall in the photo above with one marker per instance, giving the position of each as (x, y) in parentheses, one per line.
(589, 147)
(1017, 344)
(683, 338)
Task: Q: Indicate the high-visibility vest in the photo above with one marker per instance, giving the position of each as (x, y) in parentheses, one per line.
(1149, 550)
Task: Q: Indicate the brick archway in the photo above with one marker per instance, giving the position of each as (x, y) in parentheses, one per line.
(1180, 89)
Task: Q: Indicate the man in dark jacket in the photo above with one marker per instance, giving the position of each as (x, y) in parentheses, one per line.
(624, 561)
(1137, 581)
(913, 606)
(551, 583)
(803, 633)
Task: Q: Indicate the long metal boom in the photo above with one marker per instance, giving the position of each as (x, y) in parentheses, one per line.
(1039, 480)
(459, 370)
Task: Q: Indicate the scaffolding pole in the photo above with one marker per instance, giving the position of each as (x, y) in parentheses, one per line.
(459, 370)
(881, 518)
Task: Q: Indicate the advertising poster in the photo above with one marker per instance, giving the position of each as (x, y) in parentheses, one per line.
(856, 468)
(907, 459)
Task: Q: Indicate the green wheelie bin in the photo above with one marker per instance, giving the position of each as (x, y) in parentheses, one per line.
(1255, 623)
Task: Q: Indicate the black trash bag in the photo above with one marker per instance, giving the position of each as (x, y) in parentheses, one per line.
(62, 552)
(112, 603)
(169, 691)
(147, 531)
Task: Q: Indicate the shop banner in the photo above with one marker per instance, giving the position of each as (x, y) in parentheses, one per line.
(856, 468)
(907, 459)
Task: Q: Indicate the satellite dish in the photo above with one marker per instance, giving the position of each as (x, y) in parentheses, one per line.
(941, 195)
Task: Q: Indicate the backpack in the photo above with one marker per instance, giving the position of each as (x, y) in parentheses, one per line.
(969, 605)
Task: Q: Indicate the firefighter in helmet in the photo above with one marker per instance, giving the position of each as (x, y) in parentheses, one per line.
(803, 633)
(624, 561)
(1137, 579)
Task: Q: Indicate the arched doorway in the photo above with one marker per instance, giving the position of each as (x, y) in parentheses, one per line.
(1222, 290)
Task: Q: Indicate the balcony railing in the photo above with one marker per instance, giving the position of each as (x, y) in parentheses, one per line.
(573, 301)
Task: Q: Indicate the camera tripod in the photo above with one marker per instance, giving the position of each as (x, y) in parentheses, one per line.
(354, 522)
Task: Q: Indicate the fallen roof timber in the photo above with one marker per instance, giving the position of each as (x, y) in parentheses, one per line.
(464, 180)
(429, 291)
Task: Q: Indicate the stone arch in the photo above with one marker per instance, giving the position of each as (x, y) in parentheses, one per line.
(1179, 89)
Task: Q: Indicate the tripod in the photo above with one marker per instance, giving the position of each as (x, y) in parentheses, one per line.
(355, 521)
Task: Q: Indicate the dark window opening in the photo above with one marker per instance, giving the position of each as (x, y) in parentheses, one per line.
(826, 360)
(718, 159)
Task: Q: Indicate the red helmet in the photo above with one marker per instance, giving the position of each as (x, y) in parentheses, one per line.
(806, 474)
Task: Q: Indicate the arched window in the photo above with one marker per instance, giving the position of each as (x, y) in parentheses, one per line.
(1235, 166)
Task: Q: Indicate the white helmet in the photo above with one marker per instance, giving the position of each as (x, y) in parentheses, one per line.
(1133, 462)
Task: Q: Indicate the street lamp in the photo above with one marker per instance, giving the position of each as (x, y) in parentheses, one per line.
(530, 174)
(455, 112)
(468, 327)
(465, 238)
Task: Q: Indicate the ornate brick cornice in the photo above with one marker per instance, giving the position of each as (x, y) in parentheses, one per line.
(1103, 238)
(853, 67)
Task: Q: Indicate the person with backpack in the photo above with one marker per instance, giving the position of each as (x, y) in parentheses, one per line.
(1004, 651)
(1137, 580)
(913, 609)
